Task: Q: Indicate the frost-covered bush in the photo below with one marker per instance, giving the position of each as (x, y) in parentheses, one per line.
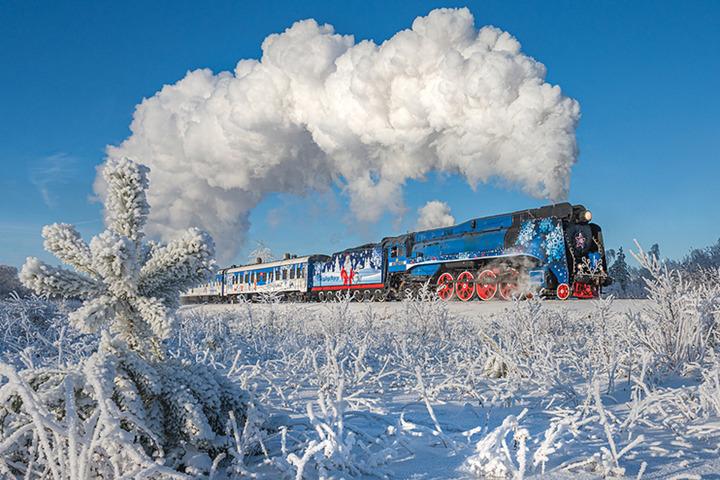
(70, 428)
(679, 324)
(493, 457)
(133, 404)
(34, 332)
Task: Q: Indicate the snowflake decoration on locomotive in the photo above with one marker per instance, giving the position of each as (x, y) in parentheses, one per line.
(554, 244)
(545, 239)
(527, 234)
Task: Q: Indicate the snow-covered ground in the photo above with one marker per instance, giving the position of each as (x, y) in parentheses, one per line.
(424, 389)
(435, 390)
(474, 308)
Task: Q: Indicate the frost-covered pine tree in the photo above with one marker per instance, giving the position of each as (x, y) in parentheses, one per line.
(121, 279)
(619, 273)
(128, 407)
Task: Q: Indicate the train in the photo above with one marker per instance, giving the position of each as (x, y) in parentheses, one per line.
(553, 251)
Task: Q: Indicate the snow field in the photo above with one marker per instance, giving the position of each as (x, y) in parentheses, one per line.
(419, 389)
(529, 390)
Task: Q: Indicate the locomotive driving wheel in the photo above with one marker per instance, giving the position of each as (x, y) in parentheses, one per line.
(465, 287)
(445, 288)
(563, 291)
(509, 289)
(486, 286)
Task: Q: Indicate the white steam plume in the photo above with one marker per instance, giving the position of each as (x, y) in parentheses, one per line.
(318, 108)
(435, 214)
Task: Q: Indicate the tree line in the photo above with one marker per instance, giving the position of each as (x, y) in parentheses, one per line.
(701, 266)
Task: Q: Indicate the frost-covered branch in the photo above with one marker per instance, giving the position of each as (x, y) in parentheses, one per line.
(125, 202)
(63, 241)
(48, 280)
(181, 264)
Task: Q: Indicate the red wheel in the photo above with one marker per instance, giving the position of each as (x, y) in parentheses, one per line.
(509, 287)
(445, 288)
(486, 286)
(563, 291)
(465, 287)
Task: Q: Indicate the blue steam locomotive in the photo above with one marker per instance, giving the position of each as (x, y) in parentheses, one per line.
(553, 251)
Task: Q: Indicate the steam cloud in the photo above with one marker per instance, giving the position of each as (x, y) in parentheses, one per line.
(319, 109)
(435, 214)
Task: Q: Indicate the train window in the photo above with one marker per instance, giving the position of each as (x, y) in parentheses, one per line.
(252, 277)
(292, 273)
(284, 274)
(271, 276)
(393, 252)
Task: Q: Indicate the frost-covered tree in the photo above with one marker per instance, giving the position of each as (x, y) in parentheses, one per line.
(619, 272)
(123, 280)
(128, 407)
(654, 251)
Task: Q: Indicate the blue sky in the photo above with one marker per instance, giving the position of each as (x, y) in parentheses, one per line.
(646, 75)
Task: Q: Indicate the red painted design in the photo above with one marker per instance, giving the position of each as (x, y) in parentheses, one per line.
(347, 278)
(346, 287)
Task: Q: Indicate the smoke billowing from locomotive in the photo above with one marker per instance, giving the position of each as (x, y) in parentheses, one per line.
(319, 109)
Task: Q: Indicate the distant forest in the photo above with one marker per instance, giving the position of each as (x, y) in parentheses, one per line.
(700, 266)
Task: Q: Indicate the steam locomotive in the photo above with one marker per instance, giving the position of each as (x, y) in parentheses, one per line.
(552, 251)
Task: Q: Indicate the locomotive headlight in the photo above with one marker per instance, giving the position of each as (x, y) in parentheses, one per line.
(587, 216)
